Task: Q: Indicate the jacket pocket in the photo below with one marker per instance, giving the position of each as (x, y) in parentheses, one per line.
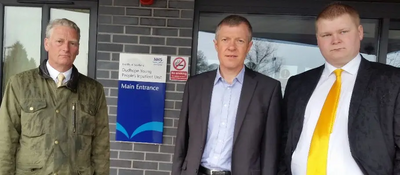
(86, 119)
(33, 117)
(28, 170)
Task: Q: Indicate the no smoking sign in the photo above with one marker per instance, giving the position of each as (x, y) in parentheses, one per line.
(179, 69)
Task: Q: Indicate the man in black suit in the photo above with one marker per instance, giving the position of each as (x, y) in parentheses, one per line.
(230, 117)
(362, 134)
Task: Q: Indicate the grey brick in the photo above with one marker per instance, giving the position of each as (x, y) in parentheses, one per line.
(165, 166)
(103, 38)
(169, 104)
(138, 12)
(106, 91)
(145, 165)
(168, 122)
(187, 14)
(131, 155)
(112, 136)
(112, 127)
(111, 10)
(115, 56)
(179, 42)
(178, 105)
(105, 2)
(137, 49)
(176, 122)
(146, 147)
(112, 119)
(103, 56)
(114, 92)
(180, 23)
(167, 149)
(165, 31)
(110, 47)
(113, 154)
(185, 32)
(156, 173)
(112, 110)
(152, 40)
(172, 113)
(181, 4)
(185, 51)
(126, 3)
(137, 30)
(180, 87)
(111, 29)
(174, 140)
(109, 83)
(167, 140)
(104, 19)
(162, 4)
(152, 21)
(112, 101)
(103, 73)
(113, 171)
(163, 50)
(130, 172)
(125, 20)
(125, 39)
(121, 146)
(174, 95)
(121, 163)
(158, 157)
(170, 87)
(166, 13)
(170, 131)
(114, 75)
(107, 65)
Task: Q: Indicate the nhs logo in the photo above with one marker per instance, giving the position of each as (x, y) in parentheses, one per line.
(158, 61)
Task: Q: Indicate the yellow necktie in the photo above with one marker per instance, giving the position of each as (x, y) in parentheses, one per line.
(318, 154)
(60, 78)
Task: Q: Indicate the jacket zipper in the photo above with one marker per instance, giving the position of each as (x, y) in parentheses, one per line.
(74, 117)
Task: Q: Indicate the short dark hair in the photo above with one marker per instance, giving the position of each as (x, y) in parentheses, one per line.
(336, 9)
(235, 20)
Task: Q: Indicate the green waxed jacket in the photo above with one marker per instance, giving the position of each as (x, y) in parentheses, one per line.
(48, 130)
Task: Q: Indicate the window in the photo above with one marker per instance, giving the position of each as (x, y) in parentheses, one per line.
(283, 46)
(393, 56)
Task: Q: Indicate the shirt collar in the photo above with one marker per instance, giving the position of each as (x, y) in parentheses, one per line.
(239, 78)
(54, 73)
(351, 67)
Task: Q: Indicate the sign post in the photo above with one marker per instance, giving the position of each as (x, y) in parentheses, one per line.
(179, 69)
(141, 98)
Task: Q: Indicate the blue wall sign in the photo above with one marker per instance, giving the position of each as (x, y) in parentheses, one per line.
(141, 98)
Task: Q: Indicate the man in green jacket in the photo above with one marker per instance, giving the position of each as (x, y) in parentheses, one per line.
(54, 120)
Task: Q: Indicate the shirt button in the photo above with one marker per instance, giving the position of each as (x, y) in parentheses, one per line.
(55, 173)
(31, 108)
(57, 111)
(56, 142)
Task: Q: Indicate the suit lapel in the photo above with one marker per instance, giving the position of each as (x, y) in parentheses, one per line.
(360, 87)
(248, 87)
(206, 94)
(306, 88)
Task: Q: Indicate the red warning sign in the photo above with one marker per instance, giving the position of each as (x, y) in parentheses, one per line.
(179, 69)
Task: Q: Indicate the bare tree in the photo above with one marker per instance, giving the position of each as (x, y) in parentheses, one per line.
(261, 58)
(202, 63)
(394, 59)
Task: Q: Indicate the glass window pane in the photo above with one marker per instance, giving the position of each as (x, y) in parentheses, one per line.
(22, 40)
(283, 46)
(82, 19)
(393, 56)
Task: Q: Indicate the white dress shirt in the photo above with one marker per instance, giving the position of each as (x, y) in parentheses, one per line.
(54, 73)
(340, 160)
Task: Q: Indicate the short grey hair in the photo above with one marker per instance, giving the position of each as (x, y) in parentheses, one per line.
(62, 22)
(233, 21)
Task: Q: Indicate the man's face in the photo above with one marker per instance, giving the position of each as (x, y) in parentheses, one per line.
(232, 44)
(339, 39)
(62, 47)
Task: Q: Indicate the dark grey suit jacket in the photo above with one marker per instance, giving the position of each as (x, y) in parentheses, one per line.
(257, 127)
(374, 117)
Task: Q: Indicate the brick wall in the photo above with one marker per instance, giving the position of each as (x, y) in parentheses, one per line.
(162, 28)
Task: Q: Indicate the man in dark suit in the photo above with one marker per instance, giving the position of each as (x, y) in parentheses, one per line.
(230, 117)
(342, 117)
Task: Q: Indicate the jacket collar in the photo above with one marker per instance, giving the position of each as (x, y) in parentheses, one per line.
(72, 84)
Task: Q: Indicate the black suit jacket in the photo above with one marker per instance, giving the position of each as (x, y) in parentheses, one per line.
(256, 132)
(374, 117)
